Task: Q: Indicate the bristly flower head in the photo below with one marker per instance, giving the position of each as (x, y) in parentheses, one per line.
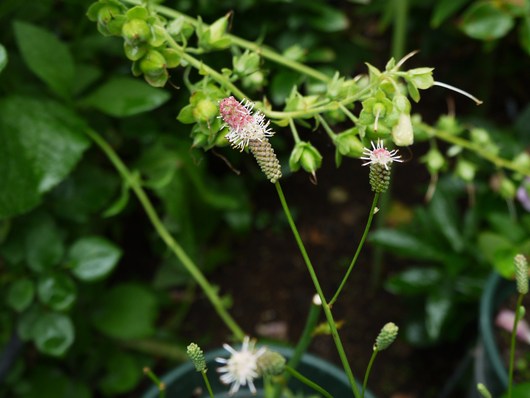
(379, 158)
(380, 155)
(244, 125)
(242, 366)
(250, 130)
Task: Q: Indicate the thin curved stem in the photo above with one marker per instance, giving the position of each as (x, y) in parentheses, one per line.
(327, 310)
(359, 248)
(368, 370)
(164, 234)
(308, 382)
(207, 383)
(512, 344)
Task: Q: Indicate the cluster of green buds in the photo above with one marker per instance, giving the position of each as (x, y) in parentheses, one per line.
(196, 356)
(386, 113)
(271, 363)
(386, 336)
(145, 38)
(521, 273)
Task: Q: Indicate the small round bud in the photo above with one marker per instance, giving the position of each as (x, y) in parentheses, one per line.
(402, 132)
(197, 357)
(135, 31)
(153, 64)
(271, 363)
(483, 390)
(386, 337)
(306, 156)
(521, 273)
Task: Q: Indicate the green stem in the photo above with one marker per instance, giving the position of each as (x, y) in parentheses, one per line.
(166, 236)
(512, 344)
(294, 132)
(207, 383)
(303, 342)
(316, 283)
(478, 149)
(400, 28)
(308, 382)
(328, 129)
(368, 370)
(359, 248)
(159, 384)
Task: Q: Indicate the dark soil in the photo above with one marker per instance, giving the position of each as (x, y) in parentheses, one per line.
(271, 288)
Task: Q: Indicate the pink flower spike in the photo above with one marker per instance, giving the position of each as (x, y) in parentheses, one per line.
(505, 320)
(244, 126)
(380, 155)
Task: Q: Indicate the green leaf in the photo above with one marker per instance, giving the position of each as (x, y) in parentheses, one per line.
(43, 243)
(125, 96)
(443, 9)
(486, 21)
(128, 311)
(46, 56)
(27, 321)
(405, 244)
(93, 258)
(50, 382)
(437, 309)
(524, 34)
(20, 294)
(53, 334)
(3, 58)
(443, 212)
(499, 251)
(57, 291)
(326, 17)
(414, 281)
(41, 143)
(123, 374)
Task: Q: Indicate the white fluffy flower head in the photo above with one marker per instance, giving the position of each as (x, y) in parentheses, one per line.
(244, 124)
(380, 155)
(242, 366)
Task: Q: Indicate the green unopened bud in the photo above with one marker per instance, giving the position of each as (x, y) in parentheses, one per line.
(180, 29)
(158, 33)
(306, 156)
(214, 36)
(348, 143)
(483, 390)
(521, 311)
(434, 160)
(507, 188)
(521, 273)
(110, 20)
(402, 132)
(197, 357)
(386, 337)
(246, 63)
(135, 31)
(135, 52)
(271, 363)
(465, 170)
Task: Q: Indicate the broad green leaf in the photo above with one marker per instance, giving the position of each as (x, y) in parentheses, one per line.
(326, 17)
(53, 334)
(57, 291)
(123, 374)
(443, 9)
(406, 244)
(20, 294)
(524, 34)
(128, 311)
(414, 281)
(46, 56)
(27, 321)
(93, 258)
(444, 214)
(486, 21)
(3, 58)
(41, 143)
(437, 309)
(43, 243)
(125, 96)
(520, 390)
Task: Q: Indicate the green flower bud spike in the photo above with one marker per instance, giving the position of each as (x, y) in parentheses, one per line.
(379, 158)
(521, 273)
(250, 130)
(386, 337)
(271, 363)
(197, 357)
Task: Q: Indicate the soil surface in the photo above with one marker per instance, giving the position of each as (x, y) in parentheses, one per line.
(271, 288)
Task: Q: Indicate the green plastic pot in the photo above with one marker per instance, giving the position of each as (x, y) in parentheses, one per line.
(489, 366)
(183, 382)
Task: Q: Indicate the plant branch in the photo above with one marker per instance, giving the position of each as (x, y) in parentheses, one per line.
(164, 234)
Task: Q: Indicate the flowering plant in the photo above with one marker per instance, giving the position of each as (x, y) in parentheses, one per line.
(158, 40)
